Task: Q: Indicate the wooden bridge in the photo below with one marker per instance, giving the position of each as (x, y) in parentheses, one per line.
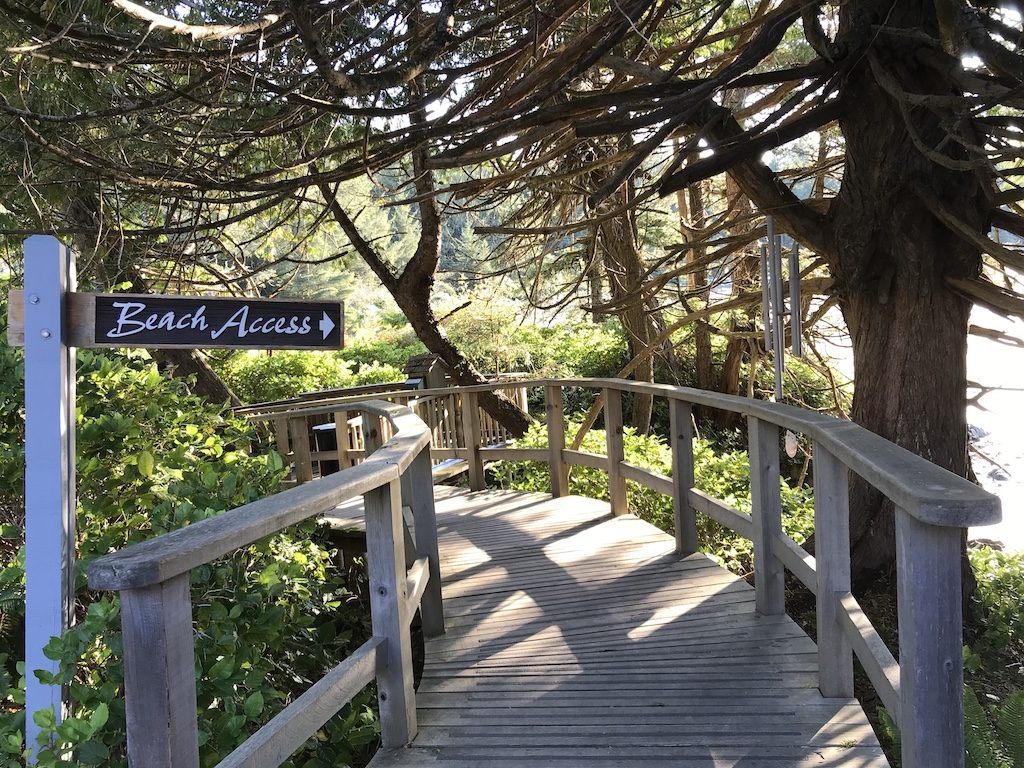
(571, 633)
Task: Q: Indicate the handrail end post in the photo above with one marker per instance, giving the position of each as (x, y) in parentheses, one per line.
(928, 583)
(681, 440)
(766, 508)
(555, 411)
(159, 675)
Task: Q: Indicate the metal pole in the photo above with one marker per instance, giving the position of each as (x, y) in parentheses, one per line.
(766, 313)
(778, 308)
(49, 468)
(795, 311)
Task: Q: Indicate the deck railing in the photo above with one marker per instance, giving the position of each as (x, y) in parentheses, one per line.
(446, 412)
(922, 691)
(404, 574)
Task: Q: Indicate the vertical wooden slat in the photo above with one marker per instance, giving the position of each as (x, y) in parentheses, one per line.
(451, 439)
(341, 435)
(298, 430)
(832, 557)
(418, 495)
(471, 427)
(769, 574)
(681, 428)
(159, 675)
(383, 508)
(931, 643)
(281, 437)
(371, 434)
(616, 451)
(557, 467)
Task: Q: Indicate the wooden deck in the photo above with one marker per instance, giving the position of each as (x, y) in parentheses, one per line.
(578, 639)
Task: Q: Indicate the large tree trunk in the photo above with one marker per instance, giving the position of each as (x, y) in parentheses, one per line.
(413, 287)
(891, 261)
(624, 269)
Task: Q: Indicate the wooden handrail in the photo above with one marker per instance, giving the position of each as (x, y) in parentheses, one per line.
(156, 613)
(922, 690)
(925, 491)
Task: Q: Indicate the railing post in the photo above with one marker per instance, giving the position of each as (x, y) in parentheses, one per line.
(931, 643)
(159, 675)
(371, 434)
(298, 430)
(554, 409)
(341, 437)
(616, 451)
(281, 437)
(383, 509)
(471, 434)
(418, 495)
(769, 574)
(832, 557)
(681, 441)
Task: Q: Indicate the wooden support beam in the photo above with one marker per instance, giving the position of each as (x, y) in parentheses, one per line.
(471, 434)
(931, 643)
(681, 442)
(383, 509)
(769, 574)
(298, 431)
(418, 494)
(616, 451)
(554, 410)
(159, 675)
(832, 561)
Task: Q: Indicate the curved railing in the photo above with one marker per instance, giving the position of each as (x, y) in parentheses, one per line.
(152, 578)
(923, 690)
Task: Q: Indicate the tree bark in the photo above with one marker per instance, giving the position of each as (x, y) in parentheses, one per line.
(624, 270)
(890, 263)
(413, 287)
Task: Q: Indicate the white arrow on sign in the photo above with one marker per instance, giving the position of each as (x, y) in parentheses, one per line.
(326, 325)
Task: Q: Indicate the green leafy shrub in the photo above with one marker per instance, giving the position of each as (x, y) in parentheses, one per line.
(380, 352)
(723, 475)
(262, 378)
(270, 619)
(1000, 576)
(992, 739)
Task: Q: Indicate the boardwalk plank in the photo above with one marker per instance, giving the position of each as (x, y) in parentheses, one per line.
(581, 640)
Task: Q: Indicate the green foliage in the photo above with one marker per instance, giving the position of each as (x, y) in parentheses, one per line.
(1000, 577)
(992, 739)
(270, 619)
(382, 352)
(725, 476)
(258, 378)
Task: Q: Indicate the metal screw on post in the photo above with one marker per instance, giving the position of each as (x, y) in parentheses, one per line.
(45, 334)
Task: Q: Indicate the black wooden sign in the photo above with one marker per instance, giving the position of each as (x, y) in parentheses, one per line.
(125, 320)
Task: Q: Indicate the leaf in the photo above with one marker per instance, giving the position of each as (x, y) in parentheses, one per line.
(1010, 724)
(145, 463)
(253, 705)
(92, 753)
(979, 739)
(99, 716)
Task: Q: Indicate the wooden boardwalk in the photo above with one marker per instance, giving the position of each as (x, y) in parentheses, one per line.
(578, 639)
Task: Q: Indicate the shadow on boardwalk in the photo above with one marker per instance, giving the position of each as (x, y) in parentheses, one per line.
(576, 639)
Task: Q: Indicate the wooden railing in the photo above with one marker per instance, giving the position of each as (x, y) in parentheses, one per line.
(156, 613)
(922, 691)
(446, 412)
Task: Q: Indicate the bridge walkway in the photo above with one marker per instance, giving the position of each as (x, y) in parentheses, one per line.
(578, 639)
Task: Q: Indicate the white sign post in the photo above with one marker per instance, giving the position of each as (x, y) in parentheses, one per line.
(49, 467)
